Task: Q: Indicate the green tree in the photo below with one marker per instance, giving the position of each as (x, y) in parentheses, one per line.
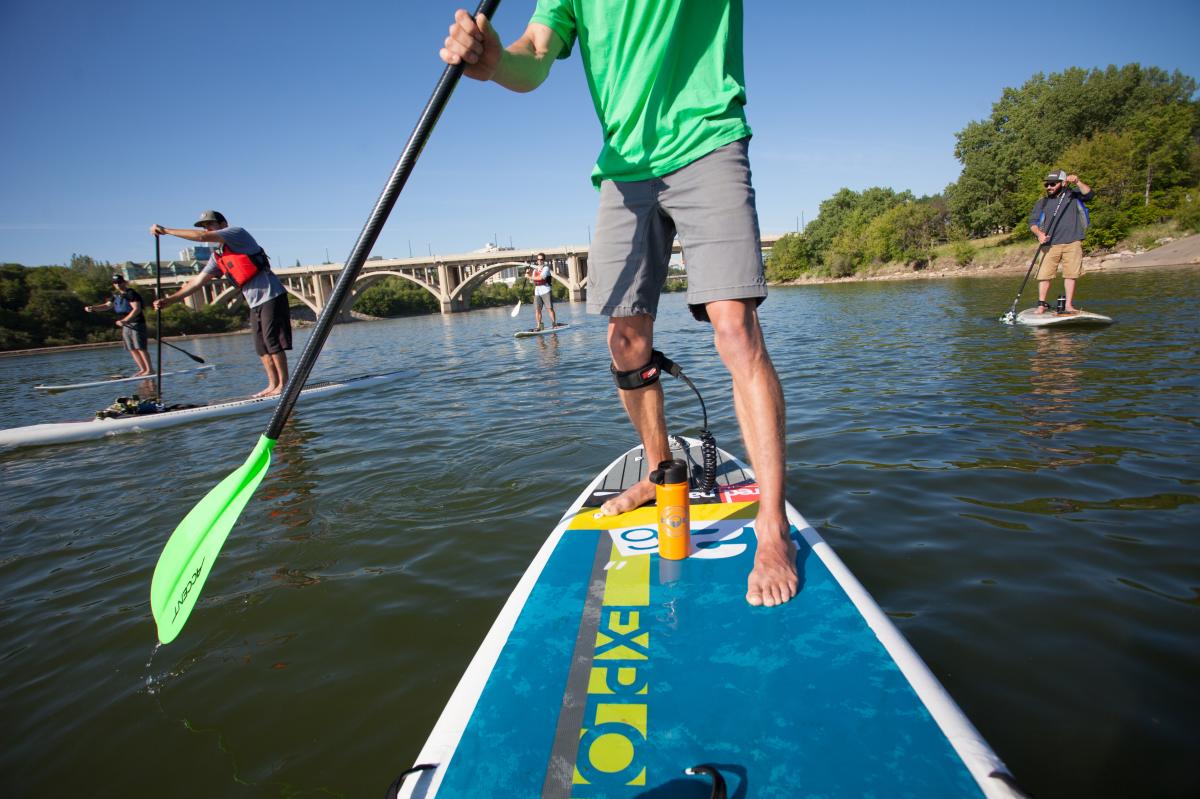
(393, 296)
(790, 258)
(1038, 122)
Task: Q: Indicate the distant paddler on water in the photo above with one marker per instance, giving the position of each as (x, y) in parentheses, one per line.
(543, 294)
(239, 257)
(131, 319)
(1060, 228)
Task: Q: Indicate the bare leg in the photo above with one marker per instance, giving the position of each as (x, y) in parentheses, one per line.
(631, 342)
(1069, 290)
(537, 314)
(759, 403)
(1043, 290)
(143, 362)
(275, 365)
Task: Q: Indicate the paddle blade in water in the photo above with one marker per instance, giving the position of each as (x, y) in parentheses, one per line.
(517, 309)
(191, 550)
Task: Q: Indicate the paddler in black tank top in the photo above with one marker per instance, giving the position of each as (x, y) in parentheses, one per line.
(128, 306)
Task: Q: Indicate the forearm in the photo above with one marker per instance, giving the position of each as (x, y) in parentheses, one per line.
(187, 233)
(522, 68)
(189, 288)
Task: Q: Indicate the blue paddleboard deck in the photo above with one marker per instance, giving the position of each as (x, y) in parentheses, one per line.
(611, 670)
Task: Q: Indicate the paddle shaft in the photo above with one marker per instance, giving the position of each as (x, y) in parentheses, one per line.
(1041, 249)
(195, 358)
(370, 232)
(158, 311)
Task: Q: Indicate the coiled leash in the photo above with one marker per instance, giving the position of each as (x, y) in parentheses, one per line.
(648, 375)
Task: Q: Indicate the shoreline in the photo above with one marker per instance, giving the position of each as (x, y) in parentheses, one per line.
(1173, 254)
(1176, 253)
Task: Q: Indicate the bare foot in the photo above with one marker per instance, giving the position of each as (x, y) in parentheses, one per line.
(633, 497)
(773, 579)
(266, 392)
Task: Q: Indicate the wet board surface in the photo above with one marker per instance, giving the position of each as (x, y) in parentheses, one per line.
(1031, 317)
(610, 670)
(111, 380)
(543, 332)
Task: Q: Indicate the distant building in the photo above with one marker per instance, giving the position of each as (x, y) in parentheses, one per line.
(201, 252)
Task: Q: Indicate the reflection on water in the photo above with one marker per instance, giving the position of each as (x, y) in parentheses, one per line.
(1055, 375)
(1022, 503)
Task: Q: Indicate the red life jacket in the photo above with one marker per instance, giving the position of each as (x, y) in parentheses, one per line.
(239, 267)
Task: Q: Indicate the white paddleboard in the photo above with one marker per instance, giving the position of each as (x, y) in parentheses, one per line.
(1031, 317)
(66, 432)
(542, 332)
(112, 380)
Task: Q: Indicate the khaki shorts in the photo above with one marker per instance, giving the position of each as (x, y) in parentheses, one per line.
(709, 204)
(1069, 255)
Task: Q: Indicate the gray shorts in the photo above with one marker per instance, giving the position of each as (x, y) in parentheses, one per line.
(134, 337)
(546, 299)
(709, 204)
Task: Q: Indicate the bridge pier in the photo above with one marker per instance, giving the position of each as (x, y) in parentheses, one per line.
(576, 274)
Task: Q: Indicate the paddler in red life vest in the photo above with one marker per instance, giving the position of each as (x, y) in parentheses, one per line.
(238, 257)
(542, 291)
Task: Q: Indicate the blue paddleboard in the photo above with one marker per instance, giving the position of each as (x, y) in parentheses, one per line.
(610, 671)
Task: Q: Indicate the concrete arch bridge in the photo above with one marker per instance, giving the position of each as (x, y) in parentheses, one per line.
(451, 279)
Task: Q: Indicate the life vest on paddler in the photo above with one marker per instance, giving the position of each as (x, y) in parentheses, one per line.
(239, 267)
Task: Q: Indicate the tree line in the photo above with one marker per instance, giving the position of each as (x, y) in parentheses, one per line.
(43, 307)
(1131, 133)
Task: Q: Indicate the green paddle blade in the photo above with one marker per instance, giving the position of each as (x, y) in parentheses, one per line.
(191, 550)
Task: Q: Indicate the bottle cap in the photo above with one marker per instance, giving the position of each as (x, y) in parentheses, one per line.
(668, 472)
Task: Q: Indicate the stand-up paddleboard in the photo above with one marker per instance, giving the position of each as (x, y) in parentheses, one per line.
(1031, 317)
(111, 380)
(610, 670)
(65, 432)
(543, 331)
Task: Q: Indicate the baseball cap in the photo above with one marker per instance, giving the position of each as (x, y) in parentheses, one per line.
(118, 277)
(1056, 177)
(210, 216)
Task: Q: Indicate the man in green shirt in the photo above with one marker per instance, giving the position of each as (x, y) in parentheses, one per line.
(667, 82)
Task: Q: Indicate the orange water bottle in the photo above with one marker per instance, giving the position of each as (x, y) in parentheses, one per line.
(674, 519)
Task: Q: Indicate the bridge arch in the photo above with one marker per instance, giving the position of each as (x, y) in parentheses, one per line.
(477, 279)
(364, 282)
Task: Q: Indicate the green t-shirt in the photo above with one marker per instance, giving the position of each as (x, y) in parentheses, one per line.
(666, 78)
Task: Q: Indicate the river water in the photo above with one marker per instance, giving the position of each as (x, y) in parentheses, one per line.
(1023, 503)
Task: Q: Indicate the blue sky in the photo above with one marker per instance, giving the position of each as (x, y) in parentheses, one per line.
(288, 117)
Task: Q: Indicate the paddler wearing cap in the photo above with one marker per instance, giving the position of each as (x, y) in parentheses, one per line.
(239, 258)
(1060, 221)
(128, 306)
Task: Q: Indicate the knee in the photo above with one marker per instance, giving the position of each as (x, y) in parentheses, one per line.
(630, 347)
(738, 341)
